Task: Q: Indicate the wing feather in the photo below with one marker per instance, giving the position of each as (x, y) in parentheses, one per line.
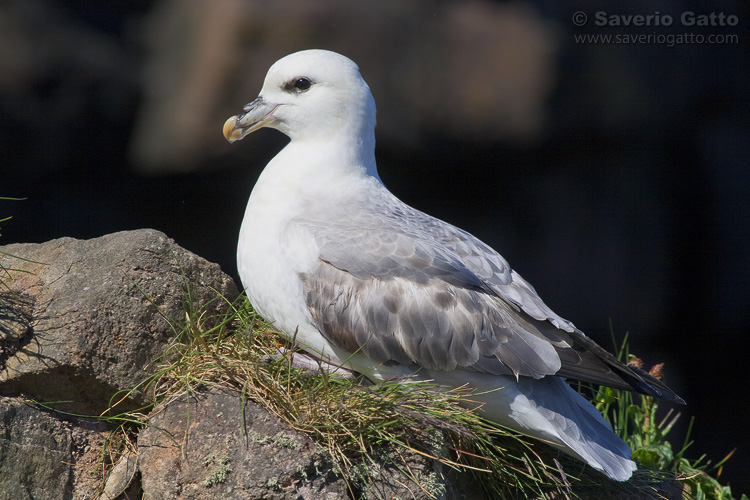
(407, 288)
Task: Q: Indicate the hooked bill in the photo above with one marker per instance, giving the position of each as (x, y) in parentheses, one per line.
(231, 133)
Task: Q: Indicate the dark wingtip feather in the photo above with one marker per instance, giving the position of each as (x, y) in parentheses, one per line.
(646, 384)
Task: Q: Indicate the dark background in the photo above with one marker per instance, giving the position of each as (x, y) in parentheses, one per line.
(614, 177)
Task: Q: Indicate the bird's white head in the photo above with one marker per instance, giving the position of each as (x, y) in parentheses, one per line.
(312, 94)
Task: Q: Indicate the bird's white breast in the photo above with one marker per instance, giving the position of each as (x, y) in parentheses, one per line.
(273, 251)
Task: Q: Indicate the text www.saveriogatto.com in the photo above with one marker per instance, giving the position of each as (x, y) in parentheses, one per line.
(661, 28)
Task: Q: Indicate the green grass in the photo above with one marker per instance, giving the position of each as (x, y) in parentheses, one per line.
(637, 421)
(5, 198)
(5, 272)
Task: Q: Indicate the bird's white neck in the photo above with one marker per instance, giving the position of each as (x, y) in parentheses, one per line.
(310, 173)
(326, 161)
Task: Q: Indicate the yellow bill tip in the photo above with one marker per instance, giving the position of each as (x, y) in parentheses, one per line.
(230, 132)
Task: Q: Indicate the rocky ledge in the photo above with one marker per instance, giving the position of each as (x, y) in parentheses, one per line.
(82, 322)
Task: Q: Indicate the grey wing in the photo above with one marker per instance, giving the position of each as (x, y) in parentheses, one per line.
(407, 288)
(492, 269)
(433, 324)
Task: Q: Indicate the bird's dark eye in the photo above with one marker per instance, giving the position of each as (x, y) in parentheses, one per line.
(300, 84)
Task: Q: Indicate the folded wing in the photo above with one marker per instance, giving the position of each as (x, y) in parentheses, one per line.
(407, 288)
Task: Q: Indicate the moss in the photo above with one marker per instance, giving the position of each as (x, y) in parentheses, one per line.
(285, 440)
(433, 484)
(280, 439)
(219, 471)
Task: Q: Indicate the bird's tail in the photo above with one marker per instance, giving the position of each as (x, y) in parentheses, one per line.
(550, 410)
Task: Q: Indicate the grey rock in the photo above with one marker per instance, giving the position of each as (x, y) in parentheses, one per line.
(120, 477)
(406, 474)
(81, 320)
(35, 454)
(217, 445)
(45, 456)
